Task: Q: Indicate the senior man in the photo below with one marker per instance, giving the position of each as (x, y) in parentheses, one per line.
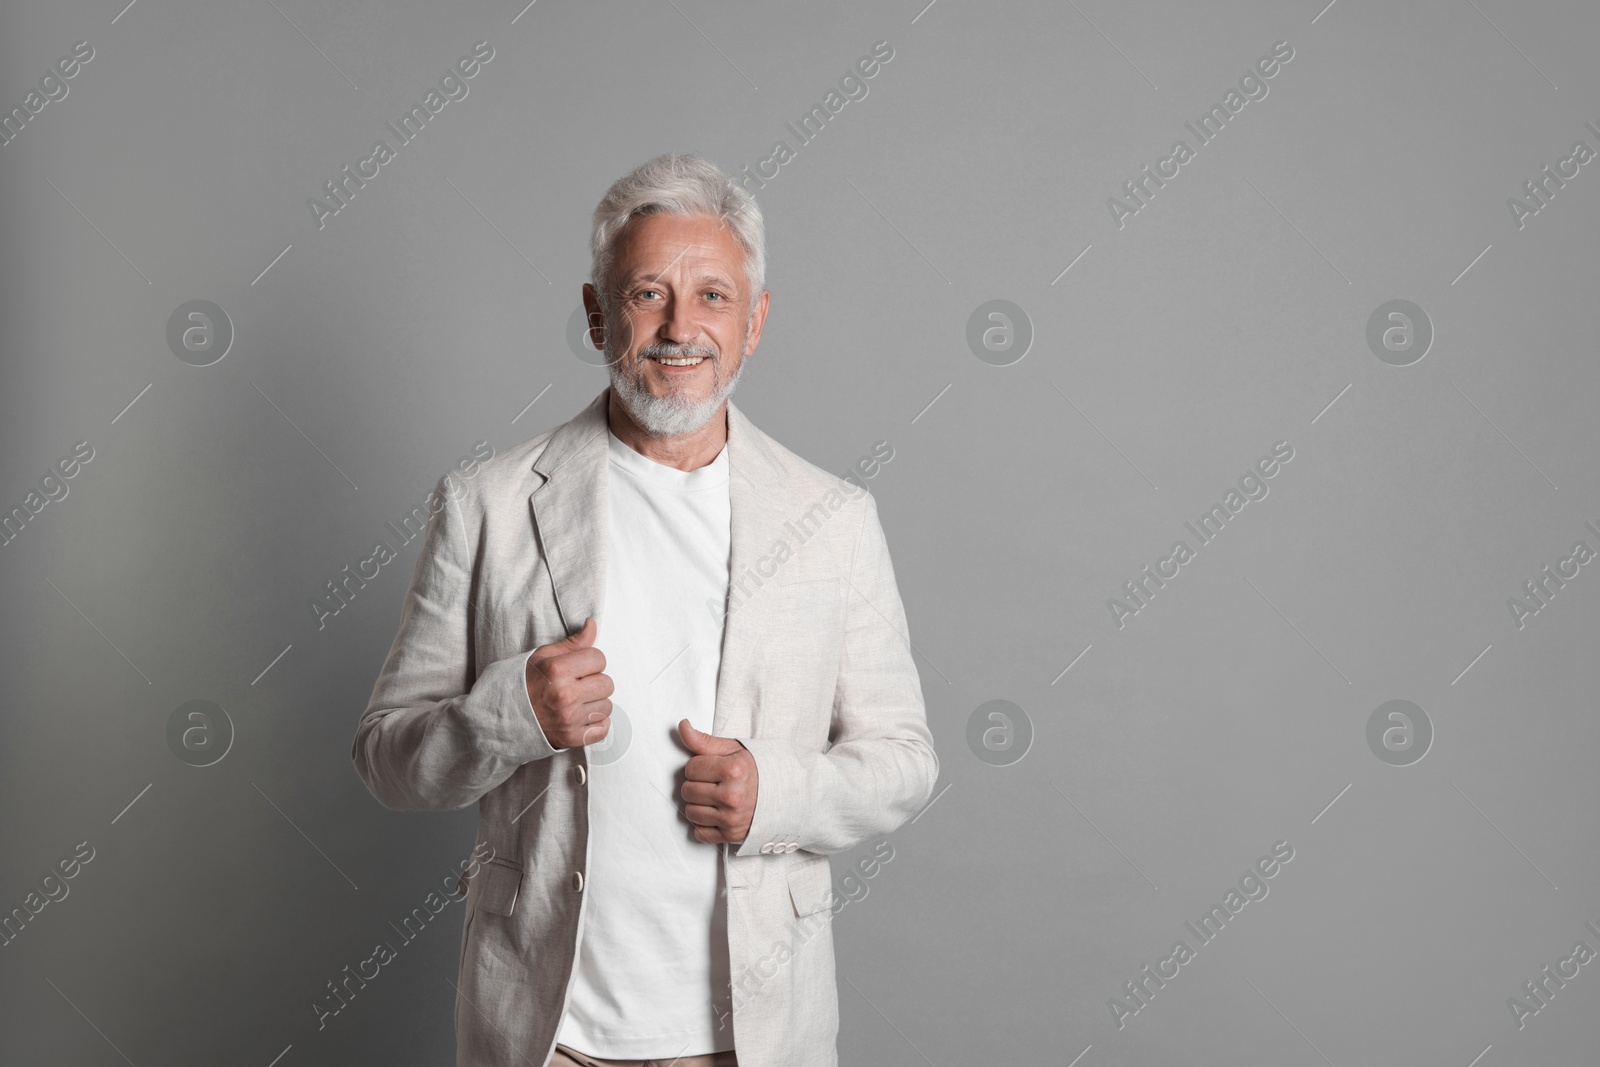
(668, 660)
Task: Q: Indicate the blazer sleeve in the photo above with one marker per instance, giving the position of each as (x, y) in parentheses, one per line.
(881, 766)
(436, 734)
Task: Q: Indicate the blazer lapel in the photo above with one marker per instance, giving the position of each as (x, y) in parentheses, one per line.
(569, 509)
(569, 512)
(758, 504)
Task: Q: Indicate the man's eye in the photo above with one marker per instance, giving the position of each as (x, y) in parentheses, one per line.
(718, 295)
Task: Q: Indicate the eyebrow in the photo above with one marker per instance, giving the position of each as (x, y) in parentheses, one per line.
(641, 277)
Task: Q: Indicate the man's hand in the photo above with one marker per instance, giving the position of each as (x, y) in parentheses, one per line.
(720, 788)
(569, 690)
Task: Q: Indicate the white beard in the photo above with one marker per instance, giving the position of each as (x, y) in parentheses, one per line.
(673, 414)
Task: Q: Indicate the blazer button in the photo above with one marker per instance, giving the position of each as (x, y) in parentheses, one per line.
(791, 846)
(583, 776)
(577, 880)
(767, 848)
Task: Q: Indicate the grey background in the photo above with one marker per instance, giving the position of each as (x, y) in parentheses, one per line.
(1228, 314)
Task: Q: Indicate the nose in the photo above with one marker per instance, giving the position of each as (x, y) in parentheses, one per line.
(680, 326)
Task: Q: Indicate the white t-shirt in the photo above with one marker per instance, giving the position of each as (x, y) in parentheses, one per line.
(651, 976)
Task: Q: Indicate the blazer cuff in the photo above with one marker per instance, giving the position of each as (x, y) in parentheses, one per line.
(777, 826)
(521, 705)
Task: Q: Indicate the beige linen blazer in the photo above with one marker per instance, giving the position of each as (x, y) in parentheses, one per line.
(816, 680)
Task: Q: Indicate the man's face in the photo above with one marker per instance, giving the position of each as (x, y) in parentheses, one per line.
(681, 321)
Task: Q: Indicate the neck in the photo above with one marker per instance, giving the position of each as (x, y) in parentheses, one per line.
(686, 452)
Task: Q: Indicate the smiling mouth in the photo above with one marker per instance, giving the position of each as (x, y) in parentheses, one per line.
(678, 361)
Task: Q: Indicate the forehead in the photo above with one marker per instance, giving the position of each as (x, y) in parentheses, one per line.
(699, 245)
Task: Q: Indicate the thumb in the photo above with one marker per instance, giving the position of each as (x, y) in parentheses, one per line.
(704, 744)
(585, 636)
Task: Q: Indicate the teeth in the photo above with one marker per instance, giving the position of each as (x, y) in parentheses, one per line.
(679, 362)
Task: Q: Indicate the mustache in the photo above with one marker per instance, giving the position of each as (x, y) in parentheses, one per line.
(670, 350)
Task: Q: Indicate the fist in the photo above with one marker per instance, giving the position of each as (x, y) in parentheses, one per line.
(569, 690)
(720, 786)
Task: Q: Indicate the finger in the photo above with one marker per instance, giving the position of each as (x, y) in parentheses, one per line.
(704, 794)
(578, 663)
(572, 693)
(552, 666)
(594, 731)
(701, 815)
(585, 690)
(596, 711)
(704, 769)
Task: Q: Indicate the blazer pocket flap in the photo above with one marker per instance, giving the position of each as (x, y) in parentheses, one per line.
(811, 886)
(495, 887)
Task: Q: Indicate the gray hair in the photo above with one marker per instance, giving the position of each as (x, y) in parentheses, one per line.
(677, 185)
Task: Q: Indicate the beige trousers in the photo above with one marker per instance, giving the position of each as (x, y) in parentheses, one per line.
(570, 1057)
